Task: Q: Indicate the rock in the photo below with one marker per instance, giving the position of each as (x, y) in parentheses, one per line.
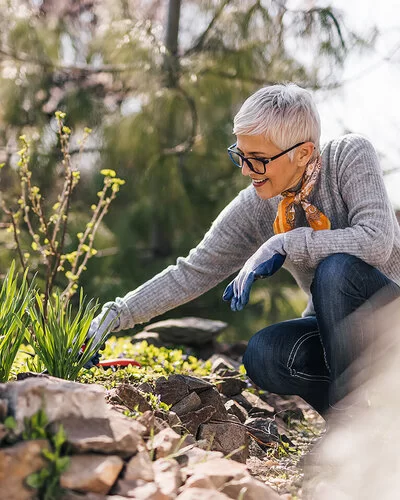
(263, 430)
(211, 397)
(201, 494)
(196, 455)
(3, 432)
(171, 390)
(167, 476)
(188, 331)
(234, 408)
(199, 481)
(188, 403)
(59, 398)
(152, 423)
(16, 464)
(141, 490)
(165, 443)
(220, 364)
(191, 421)
(253, 404)
(196, 384)
(219, 470)
(71, 495)
(226, 437)
(117, 435)
(92, 473)
(3, 409)
(145, 387)
(132, 398)
(231, 386)
(139, 467)
(248, 488)
(175, 422)
(152, 338)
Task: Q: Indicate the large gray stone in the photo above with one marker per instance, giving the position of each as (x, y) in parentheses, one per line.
(152, 338)
(16, 464)
(59, 398)
(189, 331)
(118, 434)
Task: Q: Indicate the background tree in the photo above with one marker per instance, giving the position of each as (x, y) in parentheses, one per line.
(159, 84)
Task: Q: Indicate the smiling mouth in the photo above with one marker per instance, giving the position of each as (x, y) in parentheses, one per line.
(258, 183)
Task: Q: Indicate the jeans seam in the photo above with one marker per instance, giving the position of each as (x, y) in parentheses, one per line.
(297, 345)
(292, 356)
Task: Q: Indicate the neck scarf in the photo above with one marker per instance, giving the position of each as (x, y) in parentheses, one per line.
(285, 217)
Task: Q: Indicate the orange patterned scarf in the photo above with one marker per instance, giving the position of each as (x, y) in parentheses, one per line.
(285, 217)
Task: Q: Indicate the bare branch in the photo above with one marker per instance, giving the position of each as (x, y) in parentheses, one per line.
(202, 38)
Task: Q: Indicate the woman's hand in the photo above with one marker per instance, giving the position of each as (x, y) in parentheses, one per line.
(263, 263)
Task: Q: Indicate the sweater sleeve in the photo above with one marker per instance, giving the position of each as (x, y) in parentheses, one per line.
(226, 246)
(370, 232)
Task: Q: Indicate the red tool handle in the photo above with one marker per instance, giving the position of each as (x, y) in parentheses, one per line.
(118, 362)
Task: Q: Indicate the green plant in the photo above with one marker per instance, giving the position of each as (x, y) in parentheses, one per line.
(47, 227)
(57, 339)
(47, 480)
(155, 362)
(15, 296)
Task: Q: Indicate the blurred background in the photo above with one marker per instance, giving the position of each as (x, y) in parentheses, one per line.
(159, 82)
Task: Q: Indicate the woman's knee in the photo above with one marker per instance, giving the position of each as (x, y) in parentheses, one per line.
(339, 271)
(261, 359)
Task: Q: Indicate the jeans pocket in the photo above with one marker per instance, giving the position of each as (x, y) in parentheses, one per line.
(307, 359)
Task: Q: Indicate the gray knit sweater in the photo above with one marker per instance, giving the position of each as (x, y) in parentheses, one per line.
(350, 191)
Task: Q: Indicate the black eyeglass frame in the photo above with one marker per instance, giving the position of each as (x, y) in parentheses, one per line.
(264, 161)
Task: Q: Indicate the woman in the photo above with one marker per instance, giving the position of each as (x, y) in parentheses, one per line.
(325, 217)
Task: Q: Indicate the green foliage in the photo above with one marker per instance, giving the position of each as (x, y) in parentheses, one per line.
(47, 480)
(15, 296)
(35, 427)
(57, 339)
(156, 362)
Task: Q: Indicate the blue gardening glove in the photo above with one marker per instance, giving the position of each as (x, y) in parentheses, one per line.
(263, 263)
(100, 328)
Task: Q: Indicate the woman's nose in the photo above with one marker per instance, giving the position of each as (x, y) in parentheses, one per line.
(245, 169)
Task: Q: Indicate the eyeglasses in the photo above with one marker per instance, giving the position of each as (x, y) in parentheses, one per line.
(256, 165)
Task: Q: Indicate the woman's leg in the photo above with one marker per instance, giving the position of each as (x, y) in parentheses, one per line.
(342, 285)
(287, 358)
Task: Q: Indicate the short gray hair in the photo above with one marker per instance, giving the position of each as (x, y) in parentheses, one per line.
(285, 113)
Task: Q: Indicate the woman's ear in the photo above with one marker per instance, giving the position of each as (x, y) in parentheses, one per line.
(304, 153)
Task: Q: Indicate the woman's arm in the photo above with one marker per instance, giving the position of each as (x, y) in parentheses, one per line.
(224, 249)
(370, 234)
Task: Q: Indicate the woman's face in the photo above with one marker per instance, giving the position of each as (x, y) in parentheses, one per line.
(280, 174)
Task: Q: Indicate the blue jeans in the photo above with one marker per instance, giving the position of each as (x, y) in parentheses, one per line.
(312, 356)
